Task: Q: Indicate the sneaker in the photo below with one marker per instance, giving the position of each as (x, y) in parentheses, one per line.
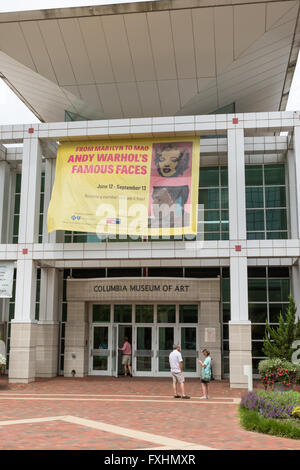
(203, 398)
(177, 396)
(186, 397)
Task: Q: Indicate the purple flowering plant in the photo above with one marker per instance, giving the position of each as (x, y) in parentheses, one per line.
(267, 406)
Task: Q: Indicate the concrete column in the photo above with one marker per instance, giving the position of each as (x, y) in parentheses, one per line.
(292, 193)
(293, 159)
(22, 367)
(295, 283)
(240, 351)
(22, 360)
(236, 185)
(48, 326)
(30, 192)
(210, 334)
(239, 325)
(76, 340)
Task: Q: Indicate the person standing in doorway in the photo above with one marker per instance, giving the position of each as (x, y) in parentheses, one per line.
(176, 366)
(205, 373)
(126, 358)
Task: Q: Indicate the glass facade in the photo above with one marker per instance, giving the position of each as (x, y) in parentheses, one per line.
(266, 218)
(213, 195)
(266, 202)
(266, 205)
(17, 203)
(268, 291)
(17, 209)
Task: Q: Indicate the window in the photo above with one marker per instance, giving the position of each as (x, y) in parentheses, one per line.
(268, 291)
(123, 313)
(101, 313)
(188, 313)
(266, 206)
(213, 195)
(144, 314)
(166, 313)
(17, 209)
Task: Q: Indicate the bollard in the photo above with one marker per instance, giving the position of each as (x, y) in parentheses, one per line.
(248, 373)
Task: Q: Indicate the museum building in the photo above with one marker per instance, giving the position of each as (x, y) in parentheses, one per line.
(130, 71)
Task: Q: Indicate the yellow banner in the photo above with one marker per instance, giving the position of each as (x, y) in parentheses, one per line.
(135, 187)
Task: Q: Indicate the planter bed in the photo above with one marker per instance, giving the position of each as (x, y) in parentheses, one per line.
(253, 421)
(270, 412)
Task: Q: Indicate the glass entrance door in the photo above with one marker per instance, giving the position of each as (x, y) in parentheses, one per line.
(114, 351)
(152, 329)
(166, 339)
(188, 342)
(143, 350)
(100, 351)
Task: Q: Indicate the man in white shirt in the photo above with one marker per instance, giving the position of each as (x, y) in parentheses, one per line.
(176, 366)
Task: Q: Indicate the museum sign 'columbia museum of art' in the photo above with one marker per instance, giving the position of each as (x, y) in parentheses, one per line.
(158, 198)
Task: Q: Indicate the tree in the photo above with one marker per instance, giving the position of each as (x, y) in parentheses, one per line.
(278, 341)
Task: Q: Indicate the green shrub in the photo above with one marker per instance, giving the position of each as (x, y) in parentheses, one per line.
(253, 421)
(278, 341)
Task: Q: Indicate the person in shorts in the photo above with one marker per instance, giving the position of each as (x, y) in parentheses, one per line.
(205, 373)
(126, 357)
(176, 366)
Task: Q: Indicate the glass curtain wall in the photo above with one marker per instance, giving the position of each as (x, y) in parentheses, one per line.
(266, 202)
(268, 291)
(213, 195)
(266, 205)
(17, 209)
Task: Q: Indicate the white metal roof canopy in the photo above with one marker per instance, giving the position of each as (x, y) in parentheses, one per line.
(172, 57)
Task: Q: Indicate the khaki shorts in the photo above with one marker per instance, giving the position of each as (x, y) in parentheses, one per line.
(178, 377)
(126, 360)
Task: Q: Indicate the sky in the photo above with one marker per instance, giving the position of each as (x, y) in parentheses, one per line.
(13, 111)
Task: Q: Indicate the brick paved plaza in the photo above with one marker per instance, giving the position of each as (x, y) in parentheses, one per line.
(124, 414)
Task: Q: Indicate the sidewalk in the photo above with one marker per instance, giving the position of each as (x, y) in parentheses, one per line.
(124, 414)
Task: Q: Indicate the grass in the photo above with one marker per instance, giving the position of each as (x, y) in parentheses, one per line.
(253, 421)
